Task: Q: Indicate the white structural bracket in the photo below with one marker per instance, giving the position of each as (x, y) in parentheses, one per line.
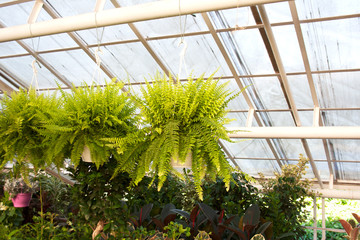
(297, 132)
(135, 13)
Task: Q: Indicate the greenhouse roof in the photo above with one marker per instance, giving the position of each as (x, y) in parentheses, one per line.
(299, 59)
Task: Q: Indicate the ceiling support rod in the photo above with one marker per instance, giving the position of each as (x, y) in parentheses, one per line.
(305, 58)
(135, 13)
(297, 132)
(237, 79)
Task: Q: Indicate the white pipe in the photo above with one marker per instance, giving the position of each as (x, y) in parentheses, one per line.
(297, 132)
(336, 193)
(136, 13)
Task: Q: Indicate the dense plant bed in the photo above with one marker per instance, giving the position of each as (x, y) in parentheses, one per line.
(108, 207)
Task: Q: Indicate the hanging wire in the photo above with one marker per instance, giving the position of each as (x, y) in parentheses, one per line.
(98, 73)
(182, 41)
(237, 27)
(35, 61)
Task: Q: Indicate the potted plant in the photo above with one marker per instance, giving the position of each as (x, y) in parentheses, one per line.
(90, 115)
(21, 126)
(183, 120)
(19, 191)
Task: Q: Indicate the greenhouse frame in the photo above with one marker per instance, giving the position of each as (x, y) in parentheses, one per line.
(299, 61)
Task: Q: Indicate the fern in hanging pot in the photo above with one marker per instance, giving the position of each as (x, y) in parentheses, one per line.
(184, 121)
(90, 115)
(21, 127)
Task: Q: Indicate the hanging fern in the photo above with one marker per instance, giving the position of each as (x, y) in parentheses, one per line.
(21, 127)
(90, 116)
(183, 119)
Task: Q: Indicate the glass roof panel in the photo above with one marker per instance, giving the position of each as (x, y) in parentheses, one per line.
(172, 25)
(22, 67)
(333, 44)
(124, 3)
(342, 118)
(250, 52)
(249, 148)
(11, 48)
(348, 171)
(278, 12)
(306, 118)
(253, 167)
(317, 149)
(16, 14)
(201, 56)
(70, 8)
(292, 148)
(338, 90)
(50, 42)
(131, 61)
(323, 169)
(269, 92)
(76, 66)
(326, 8)
(288, 45)
(346, 149)
(300, 91)
(281, 119)
(107, 34)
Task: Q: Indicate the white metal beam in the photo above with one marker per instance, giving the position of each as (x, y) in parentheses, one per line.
(297, 132)
(140, 12)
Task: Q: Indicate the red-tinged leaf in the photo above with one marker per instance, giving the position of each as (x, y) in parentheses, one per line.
(221, 216)
(158, 224)
(238, 232)
(354, 233)
(348, 228)
(357, 217)
(169, 218)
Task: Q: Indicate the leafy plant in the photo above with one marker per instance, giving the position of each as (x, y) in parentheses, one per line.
(241, 195)
(165, 218)
(175, 230)
(185, 120)
(56, 192)
(100, 197)
(285, 200)
(194, 220)
(90, 115)
(352, 231)
(10, 217)
(249, 225)
(21, 125)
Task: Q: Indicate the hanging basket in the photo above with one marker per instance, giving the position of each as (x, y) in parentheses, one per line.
(86, 155)
(21, 200)
(175, 163)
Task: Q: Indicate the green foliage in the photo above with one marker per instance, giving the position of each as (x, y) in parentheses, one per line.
(92, 116)
(58, 194)
(45, 227)
(99, 197)
(176, 230)
(184, 120)
(10, 216)
(21, 127)
(242, 194)
(285, 199)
